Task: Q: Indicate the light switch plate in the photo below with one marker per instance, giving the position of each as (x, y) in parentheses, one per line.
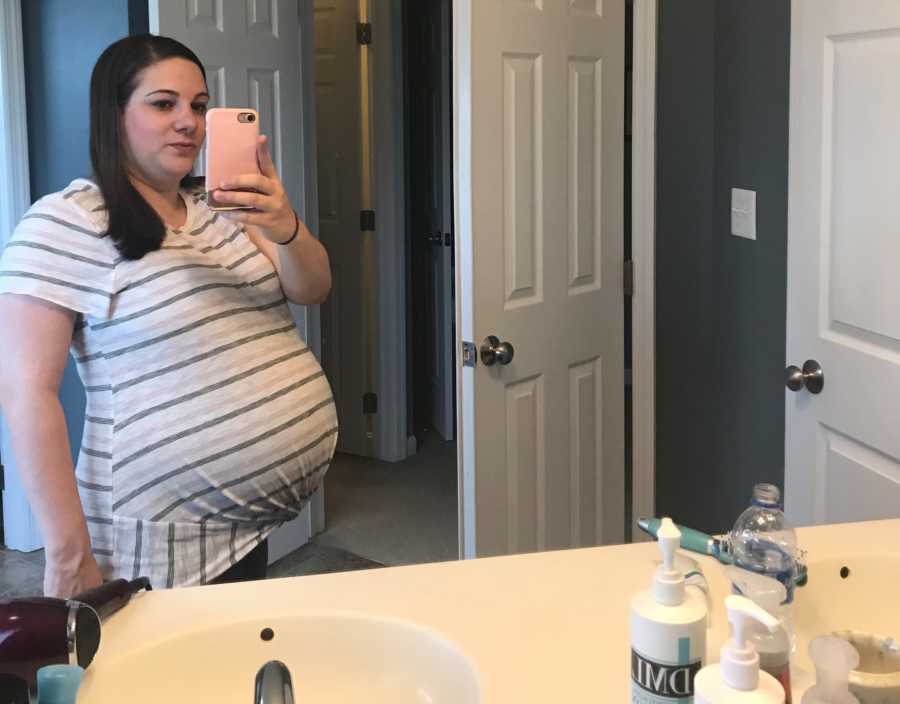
(743, 213)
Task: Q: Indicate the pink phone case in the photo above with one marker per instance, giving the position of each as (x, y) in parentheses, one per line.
(231, 137)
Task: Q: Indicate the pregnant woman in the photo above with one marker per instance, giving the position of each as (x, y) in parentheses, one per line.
(209, 422)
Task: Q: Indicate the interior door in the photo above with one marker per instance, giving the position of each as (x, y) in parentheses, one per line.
(843, 444)
(251, 52)
(538, 124)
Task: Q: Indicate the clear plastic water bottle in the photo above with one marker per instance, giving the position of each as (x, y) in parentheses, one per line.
(762, 541)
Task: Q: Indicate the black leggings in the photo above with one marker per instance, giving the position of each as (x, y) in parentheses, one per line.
(251, 566)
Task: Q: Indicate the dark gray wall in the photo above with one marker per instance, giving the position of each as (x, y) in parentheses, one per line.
(61, 46)
(722, 122)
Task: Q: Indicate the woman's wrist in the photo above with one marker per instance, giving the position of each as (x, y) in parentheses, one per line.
(294, 234)
(69, 556)
(71, 547)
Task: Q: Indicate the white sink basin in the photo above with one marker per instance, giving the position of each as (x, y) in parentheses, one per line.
(852, 593)
(332, 656)
(856, 594)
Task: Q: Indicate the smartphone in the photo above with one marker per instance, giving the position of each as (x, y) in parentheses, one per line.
(231, 142)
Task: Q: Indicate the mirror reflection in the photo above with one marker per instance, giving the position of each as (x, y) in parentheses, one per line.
(291, 289)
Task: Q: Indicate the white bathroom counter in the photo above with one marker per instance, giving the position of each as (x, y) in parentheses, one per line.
(542, 627)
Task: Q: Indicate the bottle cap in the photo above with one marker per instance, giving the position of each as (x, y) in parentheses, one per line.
(767, 495)
(58, 684)
(668, 583)
(739, 660)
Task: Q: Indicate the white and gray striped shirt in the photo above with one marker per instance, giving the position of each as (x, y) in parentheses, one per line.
(209, 422)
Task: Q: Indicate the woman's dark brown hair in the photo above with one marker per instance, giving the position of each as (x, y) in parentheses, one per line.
(134, 225)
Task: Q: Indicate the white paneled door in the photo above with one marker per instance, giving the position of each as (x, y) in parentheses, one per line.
(843, 444)
(538, 139)
(251, 52)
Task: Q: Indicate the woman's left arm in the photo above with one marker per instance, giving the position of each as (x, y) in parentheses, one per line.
(299, 258)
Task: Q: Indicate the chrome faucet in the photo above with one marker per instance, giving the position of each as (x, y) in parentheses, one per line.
(273, 684)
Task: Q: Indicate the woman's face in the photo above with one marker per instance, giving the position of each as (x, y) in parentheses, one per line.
(164, 122)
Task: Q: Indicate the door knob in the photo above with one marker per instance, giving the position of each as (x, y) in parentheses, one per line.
(811, 376)
(494, 351)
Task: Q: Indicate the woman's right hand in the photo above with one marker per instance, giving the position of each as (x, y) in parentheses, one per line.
(64, 577)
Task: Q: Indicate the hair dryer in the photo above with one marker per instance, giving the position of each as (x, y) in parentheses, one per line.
(39, 631)
(109, 597)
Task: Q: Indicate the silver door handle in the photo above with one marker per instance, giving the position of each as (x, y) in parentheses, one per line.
(493, 351)
(811, 376)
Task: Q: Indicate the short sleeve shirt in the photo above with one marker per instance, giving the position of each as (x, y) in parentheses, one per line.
(209, 422)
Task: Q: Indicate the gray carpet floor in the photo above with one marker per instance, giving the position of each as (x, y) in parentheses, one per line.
(21, 573)
(394, 513)
(376, 514)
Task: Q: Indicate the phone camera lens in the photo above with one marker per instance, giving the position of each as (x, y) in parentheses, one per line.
(251, 117)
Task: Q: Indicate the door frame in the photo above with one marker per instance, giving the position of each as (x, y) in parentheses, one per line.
(643, 248)
(309, 183)
(309, 208)
(19, 523)
(14, 174)
(387, 127)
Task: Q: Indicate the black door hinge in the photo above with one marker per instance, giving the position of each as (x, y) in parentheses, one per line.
(370, 403)
(2, 479)
(364, 32)
(628, 278)
(448, 239)
(367, 220)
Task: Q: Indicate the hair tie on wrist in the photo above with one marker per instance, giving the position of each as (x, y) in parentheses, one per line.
(296, 230)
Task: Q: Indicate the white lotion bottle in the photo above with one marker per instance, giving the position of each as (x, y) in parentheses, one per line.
(736, 679)
(668, 631)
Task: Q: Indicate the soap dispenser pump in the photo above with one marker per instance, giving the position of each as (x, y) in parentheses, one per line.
(834, 658)
(773, 647)
(668, 631)
(737, 679)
